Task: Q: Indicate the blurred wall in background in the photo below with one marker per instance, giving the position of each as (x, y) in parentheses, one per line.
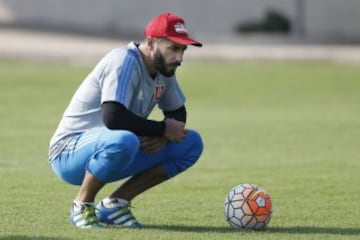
(330, 21)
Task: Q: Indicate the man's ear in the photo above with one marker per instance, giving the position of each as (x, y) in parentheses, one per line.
(150, 41)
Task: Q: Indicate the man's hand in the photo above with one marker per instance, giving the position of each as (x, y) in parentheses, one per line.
(175, 130)
(152, 144)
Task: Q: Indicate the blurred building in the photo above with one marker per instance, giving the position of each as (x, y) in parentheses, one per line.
(324, 21)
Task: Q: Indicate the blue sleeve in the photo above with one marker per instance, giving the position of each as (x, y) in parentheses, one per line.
(120, 78)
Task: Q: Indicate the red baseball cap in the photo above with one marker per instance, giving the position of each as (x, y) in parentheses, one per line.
(171, 27)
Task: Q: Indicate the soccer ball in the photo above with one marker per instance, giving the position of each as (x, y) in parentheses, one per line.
(247, 206)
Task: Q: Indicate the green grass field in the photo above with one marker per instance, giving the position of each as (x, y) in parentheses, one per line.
(292, 128)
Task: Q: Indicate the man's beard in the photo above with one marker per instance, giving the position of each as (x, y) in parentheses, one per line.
(160, 65)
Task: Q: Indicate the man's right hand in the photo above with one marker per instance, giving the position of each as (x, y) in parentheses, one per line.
(175, 130)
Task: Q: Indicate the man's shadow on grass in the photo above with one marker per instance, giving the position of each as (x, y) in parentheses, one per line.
(294, 230)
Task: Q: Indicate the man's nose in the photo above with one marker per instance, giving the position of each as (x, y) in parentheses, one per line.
(179, 57)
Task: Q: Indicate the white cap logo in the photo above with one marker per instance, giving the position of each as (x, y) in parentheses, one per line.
(180, 28)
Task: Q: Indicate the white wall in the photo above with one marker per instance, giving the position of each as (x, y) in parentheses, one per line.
(333, 19)
(326, 20)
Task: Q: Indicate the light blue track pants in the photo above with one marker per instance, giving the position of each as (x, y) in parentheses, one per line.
(111, 155)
